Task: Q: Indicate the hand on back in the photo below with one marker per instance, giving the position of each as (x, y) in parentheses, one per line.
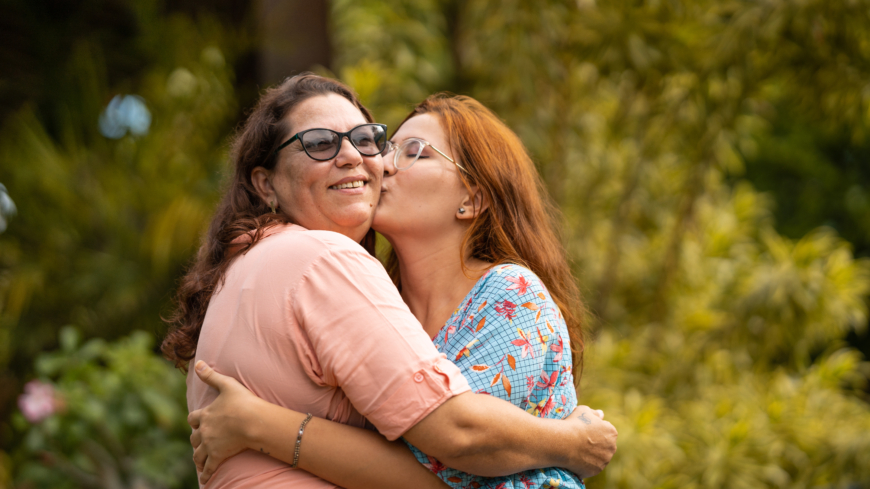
(222, 429)
(599, 444)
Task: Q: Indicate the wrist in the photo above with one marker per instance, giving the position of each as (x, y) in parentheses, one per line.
(254, 429)
(572, 435)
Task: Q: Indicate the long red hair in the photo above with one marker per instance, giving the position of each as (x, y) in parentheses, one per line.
(519, 226)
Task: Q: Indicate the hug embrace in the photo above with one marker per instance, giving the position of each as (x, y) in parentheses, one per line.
(316, 367)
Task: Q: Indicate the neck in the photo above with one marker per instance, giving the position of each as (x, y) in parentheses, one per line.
(433, 282)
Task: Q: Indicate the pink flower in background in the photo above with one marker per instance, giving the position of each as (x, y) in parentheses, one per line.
(37, 402)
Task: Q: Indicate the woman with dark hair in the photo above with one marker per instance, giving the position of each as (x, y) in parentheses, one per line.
(477, 259)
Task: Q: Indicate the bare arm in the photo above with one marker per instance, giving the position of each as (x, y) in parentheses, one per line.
(491, 437)
(475, 433)
(350, 457)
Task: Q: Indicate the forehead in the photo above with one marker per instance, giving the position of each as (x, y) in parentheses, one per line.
(423, 126)
(330, 111)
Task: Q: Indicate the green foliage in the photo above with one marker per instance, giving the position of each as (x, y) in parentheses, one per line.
(816, 175)
(103, 230)
(113, 221)
(719, 350)
(122, 421)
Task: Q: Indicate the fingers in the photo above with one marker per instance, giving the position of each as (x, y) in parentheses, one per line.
(200, 457)
(210, 466)
(208, 375)
(195, 439)
(598, 412)
(194, 418)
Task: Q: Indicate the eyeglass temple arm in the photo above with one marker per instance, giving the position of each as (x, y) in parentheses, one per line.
(448, 158)
(442, 154)
(285, 144)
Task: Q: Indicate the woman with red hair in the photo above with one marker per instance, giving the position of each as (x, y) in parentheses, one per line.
(477, 260)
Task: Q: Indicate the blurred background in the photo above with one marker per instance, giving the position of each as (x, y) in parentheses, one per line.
(711, 159)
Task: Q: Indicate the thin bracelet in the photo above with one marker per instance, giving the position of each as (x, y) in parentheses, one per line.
(299, 441)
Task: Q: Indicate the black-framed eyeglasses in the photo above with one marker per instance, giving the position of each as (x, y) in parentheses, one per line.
(324, 144)
(407, 153)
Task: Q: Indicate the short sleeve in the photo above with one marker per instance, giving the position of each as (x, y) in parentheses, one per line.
(368, 343)
(514, 338)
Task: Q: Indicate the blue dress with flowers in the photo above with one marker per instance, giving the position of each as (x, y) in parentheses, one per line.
(510, 341)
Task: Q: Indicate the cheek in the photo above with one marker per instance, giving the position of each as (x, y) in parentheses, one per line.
(375, 166)
(296, 186)
(425, 196)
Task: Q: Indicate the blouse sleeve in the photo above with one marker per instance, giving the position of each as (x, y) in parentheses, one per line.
(516, 352)
(368, 343)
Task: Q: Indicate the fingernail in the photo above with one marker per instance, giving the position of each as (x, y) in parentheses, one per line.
(200, 366)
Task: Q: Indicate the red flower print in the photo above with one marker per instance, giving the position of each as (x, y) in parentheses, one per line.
(558, 349)
(507, 309)
(525, 343)
(450, 330)
(520, 284)
(530, 384)
(548, 383)
(548, 406)
(527, 483)
(435, 466)
(543, 339)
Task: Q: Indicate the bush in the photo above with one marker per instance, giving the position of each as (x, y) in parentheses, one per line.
(118, 418)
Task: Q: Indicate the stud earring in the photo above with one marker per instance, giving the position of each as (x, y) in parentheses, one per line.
(462, 210)
(272, 205)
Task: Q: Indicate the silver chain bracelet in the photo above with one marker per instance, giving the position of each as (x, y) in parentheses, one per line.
(299, 441)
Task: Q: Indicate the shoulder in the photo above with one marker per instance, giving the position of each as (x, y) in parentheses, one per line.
(513, 281)
(301, 237)
(285, 252)
(517, 295)
(298, 242)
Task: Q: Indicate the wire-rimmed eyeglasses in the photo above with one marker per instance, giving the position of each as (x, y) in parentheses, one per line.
(407, 153)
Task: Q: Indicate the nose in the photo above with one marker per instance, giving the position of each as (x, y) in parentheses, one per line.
(390, 162)
(348, 155)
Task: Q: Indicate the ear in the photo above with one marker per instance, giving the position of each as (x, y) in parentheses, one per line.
(261, 178)
(474, 203)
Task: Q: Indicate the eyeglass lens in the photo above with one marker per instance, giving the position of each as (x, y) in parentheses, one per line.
(407, 153)
(324, 144)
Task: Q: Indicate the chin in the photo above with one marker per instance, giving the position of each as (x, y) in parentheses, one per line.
(355, 219)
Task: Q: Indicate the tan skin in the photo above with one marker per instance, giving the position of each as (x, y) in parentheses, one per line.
(419, 213)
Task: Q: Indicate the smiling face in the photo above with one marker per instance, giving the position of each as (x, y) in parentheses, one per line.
(423, 200)
(335, 195)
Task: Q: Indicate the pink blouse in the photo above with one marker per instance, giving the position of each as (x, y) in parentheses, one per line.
(310, 321)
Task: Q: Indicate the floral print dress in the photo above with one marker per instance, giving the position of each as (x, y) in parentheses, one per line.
(510, 341)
